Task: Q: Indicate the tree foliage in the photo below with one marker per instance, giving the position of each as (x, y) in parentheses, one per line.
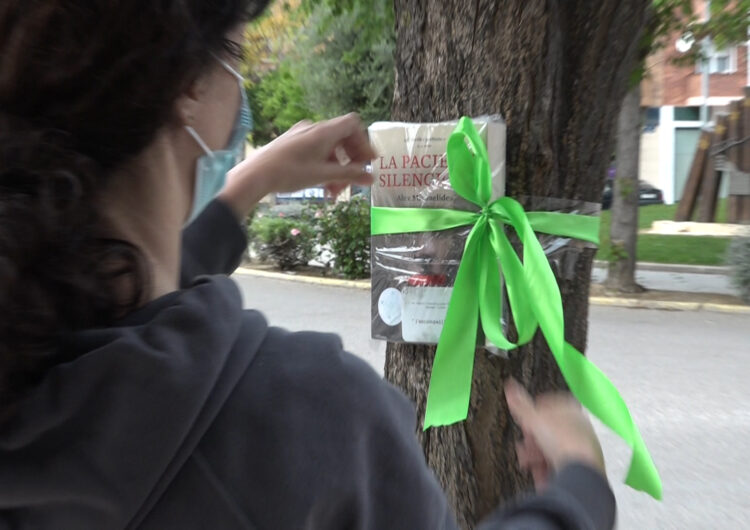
(665, 18)
(270, 37)
(275, 95)
(728, 24)
(312, 60)
(371, 19)
(277, 102)
(343, 68)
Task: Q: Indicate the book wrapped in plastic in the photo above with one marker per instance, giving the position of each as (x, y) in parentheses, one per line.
(413, 273)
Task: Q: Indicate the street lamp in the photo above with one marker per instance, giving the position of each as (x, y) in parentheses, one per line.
(705, 71)
(685, 44)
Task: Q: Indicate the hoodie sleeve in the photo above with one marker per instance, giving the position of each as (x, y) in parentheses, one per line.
(578, 498)
(212, 244)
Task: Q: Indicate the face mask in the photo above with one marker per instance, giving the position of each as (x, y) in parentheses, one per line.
(212, 168)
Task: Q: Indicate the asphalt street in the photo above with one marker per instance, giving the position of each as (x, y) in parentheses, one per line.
(684, 375)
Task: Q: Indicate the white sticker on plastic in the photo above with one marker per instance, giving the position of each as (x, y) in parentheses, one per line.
(389, 306)
(424, 313)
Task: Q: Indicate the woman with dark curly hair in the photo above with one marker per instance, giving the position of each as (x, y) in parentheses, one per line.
(135, 392)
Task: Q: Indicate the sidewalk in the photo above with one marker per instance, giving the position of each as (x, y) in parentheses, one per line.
(680, 278)
(696, 289)
(672, 267)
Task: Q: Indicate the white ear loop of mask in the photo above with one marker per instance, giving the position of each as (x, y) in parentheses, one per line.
(199, 140)
(192, 131)
(229, 69)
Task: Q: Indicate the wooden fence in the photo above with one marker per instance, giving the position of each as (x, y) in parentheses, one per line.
(723, 152)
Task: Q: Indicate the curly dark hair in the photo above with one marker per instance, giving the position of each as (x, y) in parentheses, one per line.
(85, 85)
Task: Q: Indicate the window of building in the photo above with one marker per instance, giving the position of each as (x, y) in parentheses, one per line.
(719, 61)
(651, 119)
(687, 113)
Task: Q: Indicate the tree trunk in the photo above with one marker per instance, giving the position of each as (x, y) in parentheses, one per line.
(557, 71)
(624, 229)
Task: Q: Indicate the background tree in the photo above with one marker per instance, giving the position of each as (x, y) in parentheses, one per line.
(664, 18)
(623, 231)
(727, 25)
(557, 70)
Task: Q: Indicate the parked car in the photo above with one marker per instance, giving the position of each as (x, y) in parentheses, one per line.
(647, 194)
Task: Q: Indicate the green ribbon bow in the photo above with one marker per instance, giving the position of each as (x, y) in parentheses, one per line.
(533, 296)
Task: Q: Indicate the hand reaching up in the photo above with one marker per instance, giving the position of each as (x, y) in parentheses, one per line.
(332, 153)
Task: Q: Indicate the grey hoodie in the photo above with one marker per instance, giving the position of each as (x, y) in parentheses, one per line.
(194, 413)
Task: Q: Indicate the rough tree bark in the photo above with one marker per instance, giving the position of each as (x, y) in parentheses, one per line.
(624, 228)
(557, 71)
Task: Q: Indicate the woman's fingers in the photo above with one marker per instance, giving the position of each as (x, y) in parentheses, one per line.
(557, 425)
(333, 189)
(348, 132)
(520, 404)
(352, 172)
(308, 154)
(531, 459)
(540, 473)
(299, 127)
(522, 454)
(529, 453)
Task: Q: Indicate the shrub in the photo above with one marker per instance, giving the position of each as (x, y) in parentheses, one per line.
(287, 242)
(739, 261)
(345, 228)
(304, 210)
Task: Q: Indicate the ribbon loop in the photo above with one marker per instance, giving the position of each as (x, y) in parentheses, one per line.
(467, 155)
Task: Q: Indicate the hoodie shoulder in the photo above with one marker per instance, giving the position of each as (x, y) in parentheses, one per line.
(313, 434)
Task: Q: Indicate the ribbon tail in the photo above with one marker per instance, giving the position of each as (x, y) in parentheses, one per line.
(515, 284)
(490, 290)
(597, 394)
(453, 368)
(587, 383)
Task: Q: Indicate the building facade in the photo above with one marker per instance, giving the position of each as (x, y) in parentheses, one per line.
(672, 95)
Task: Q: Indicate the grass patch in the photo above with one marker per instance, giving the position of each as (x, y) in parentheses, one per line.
(687, 250)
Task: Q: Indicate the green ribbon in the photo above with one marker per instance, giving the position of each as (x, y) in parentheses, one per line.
(533, 296)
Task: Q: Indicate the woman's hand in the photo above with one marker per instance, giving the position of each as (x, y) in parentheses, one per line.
(556, 432)
(332, 152)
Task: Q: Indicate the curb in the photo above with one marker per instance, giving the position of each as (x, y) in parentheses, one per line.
(672, 267)
(606, 301)
(664, 305)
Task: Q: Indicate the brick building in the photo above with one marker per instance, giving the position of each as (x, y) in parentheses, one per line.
(672, 95)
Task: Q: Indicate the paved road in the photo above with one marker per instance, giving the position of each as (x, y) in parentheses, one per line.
(685, 376)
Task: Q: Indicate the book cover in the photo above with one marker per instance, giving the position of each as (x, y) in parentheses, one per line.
(413, 274)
